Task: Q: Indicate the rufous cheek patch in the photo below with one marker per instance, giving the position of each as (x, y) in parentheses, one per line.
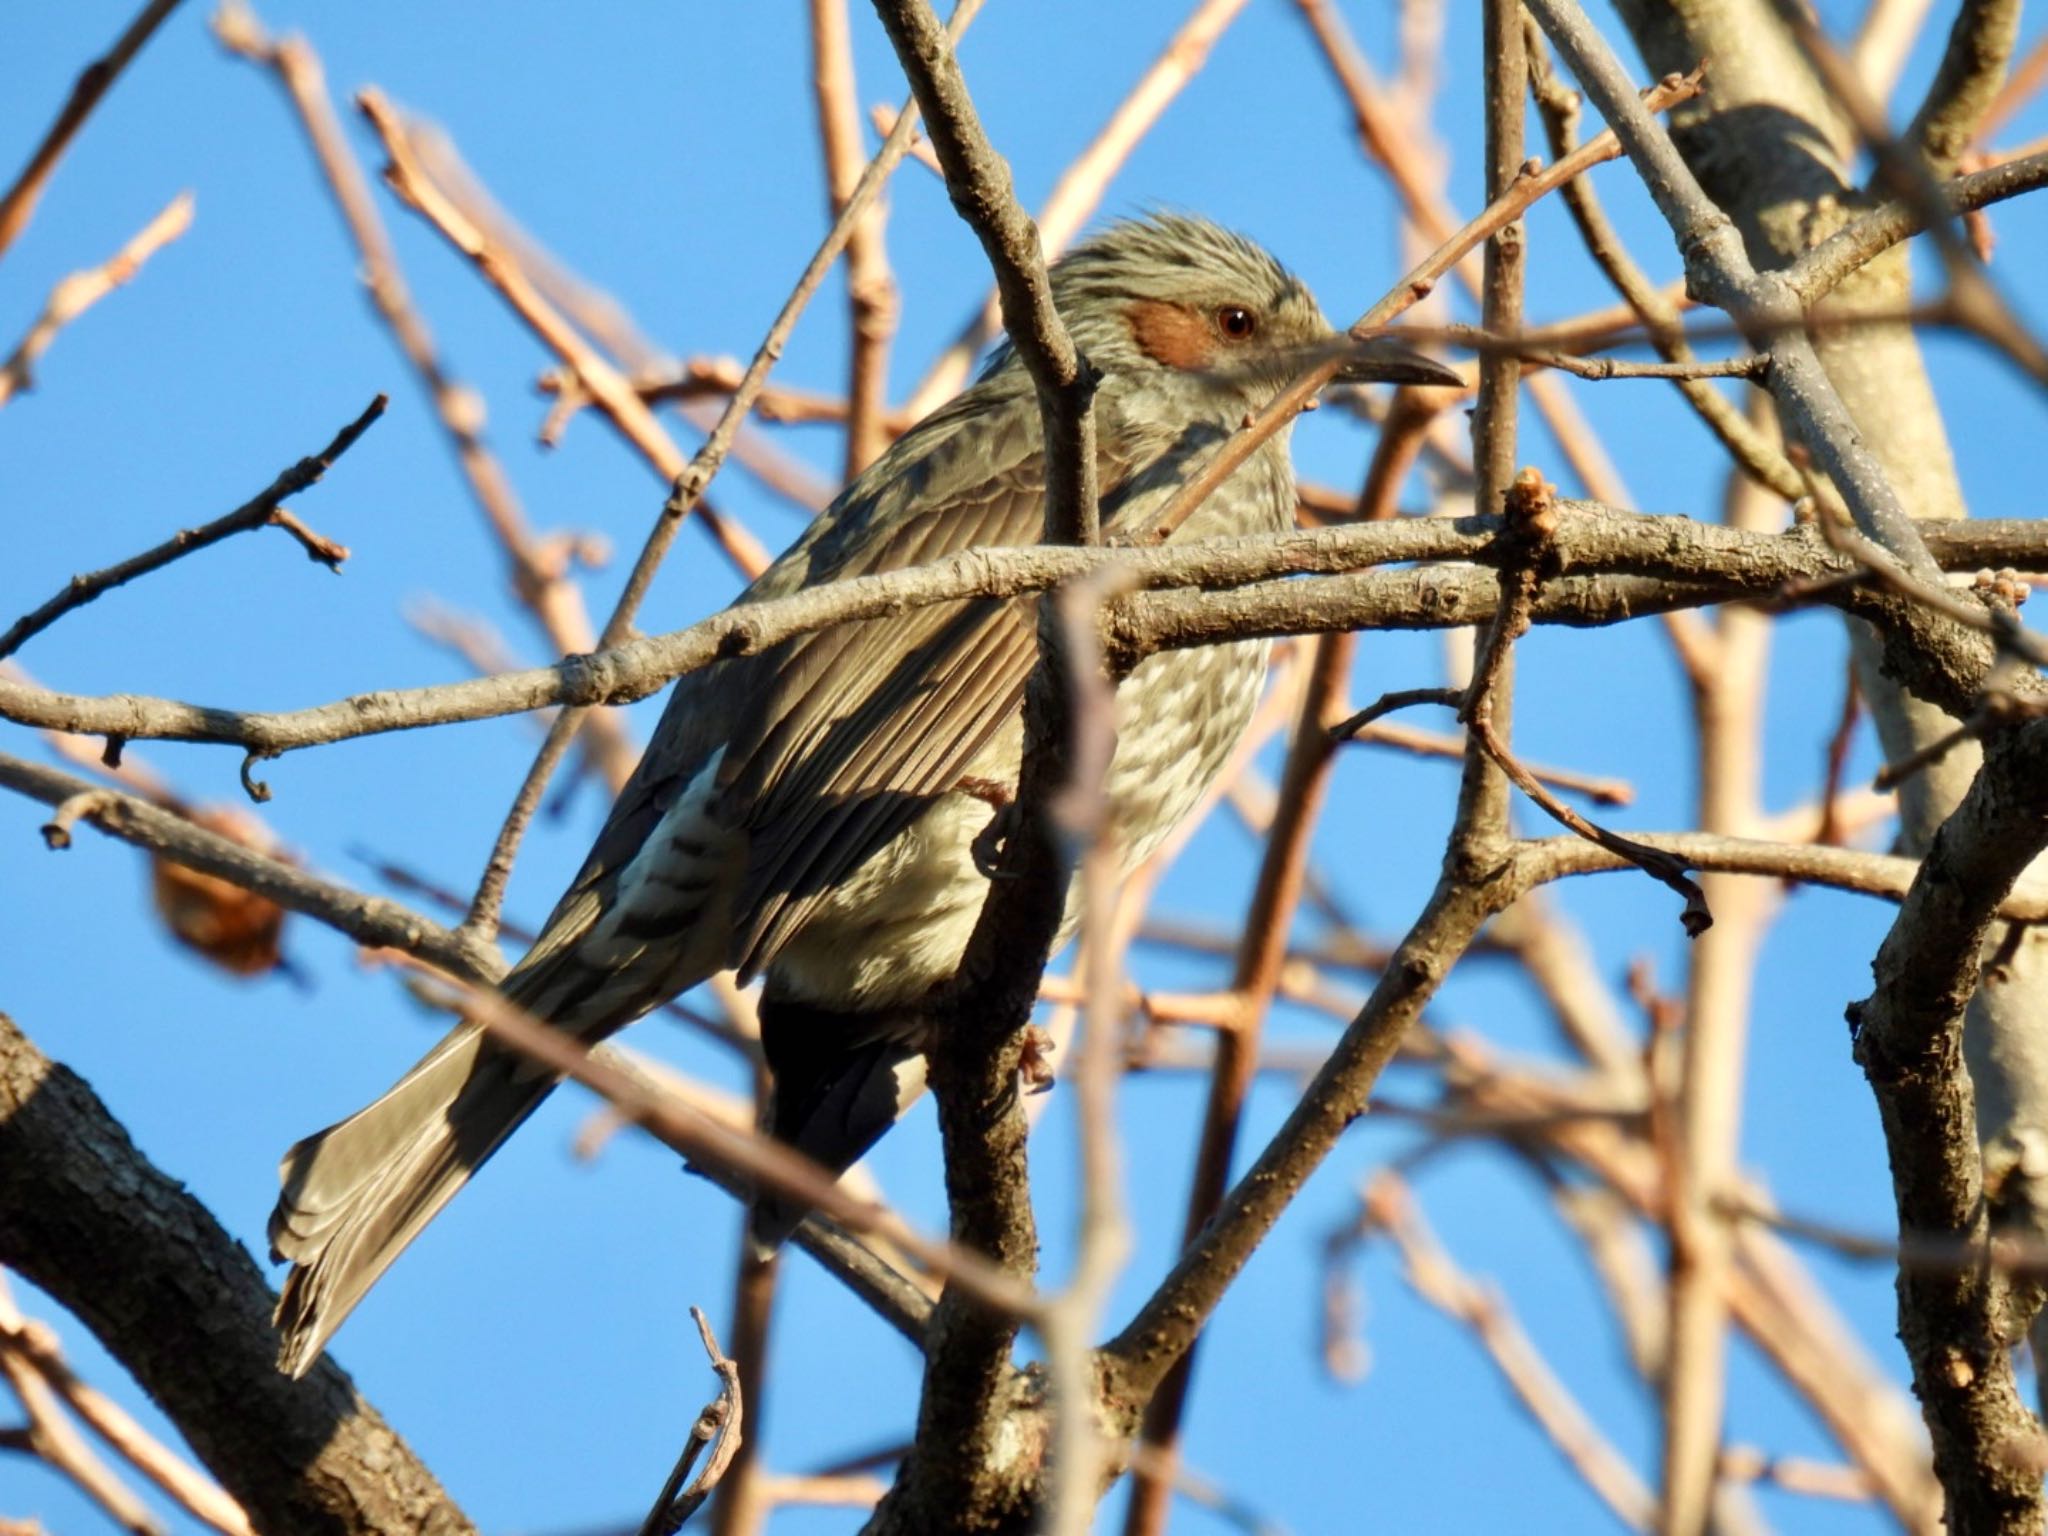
(1172, 334)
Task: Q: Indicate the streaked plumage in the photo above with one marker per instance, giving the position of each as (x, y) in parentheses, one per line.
(800, 814)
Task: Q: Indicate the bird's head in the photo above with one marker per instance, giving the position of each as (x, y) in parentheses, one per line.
(1185, 300)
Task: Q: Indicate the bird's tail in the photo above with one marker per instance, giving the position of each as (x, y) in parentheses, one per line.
(356, 1193)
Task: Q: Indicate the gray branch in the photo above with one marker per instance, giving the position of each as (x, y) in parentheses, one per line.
(1719, 563)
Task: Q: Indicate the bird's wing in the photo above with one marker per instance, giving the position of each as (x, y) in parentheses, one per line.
(863, 725)
(835, 741)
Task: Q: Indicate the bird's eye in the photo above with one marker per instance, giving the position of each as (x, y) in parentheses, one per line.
(1236, 322)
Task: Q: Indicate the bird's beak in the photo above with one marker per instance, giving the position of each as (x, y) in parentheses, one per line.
(1383, 360)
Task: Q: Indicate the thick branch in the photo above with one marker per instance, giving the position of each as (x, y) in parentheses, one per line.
(1651, 564)
(1973, 66)
(1817, 273)
(1719, 271)
(1885, 875)
(1139, 1357)
(302, 1456)
(1909, 1041)
(963, 1466)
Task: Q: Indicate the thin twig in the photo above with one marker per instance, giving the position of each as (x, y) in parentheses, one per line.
(52, 1437)
(1068, 1321)
(616, 397)
(1387, 134)
(721, 1420)
(261, 511)
(74, 295)
(1599, 789)
(870, 288)
(1081, 186)
(1255, 977)
(193, 1490)
(688, 1129)
(369, 920)
(18, 203)
(1435, 1277)
(979, 179)
(409, 179)
(538, 568)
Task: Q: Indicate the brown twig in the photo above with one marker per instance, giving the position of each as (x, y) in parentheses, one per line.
(18, 203)
(51, 1436)
(538, 567)
(615, 396)
(1404, 432)
(696, 379)
(1658, 312)
(980, 183)
(1700, 1099)
(1794, 1474)
(1835, 765)
(722, 1421)
(870, 288)
(1652, 564)
(1435, 1277)
(1255, 977)
(1393, 144)
(1655, 862)
(741, 1506)
(264, 510)
(686, 1128)
(410, 181)
(1068, 1322)
(369, 920)
(1407, 738)
(36, 1346)
(74, 295)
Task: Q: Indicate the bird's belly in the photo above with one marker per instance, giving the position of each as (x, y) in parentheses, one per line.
(899, 924)
(1179, 715)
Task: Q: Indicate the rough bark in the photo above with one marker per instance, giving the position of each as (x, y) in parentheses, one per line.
(121, 1244)
(1774, 151)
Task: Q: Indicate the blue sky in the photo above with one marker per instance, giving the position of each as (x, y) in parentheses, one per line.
(535, 1346)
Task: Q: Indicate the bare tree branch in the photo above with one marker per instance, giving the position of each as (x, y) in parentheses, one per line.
(538, 571)
(367, 919)
(1683, 564)
(1972, 68)
(1908, 1040)
(263, 510)
(18, 202)
(305, 1455)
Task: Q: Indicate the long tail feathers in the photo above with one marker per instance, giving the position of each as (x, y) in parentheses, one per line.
(357, 1193)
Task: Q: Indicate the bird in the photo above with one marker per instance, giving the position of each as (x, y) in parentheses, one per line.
(809, 814)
